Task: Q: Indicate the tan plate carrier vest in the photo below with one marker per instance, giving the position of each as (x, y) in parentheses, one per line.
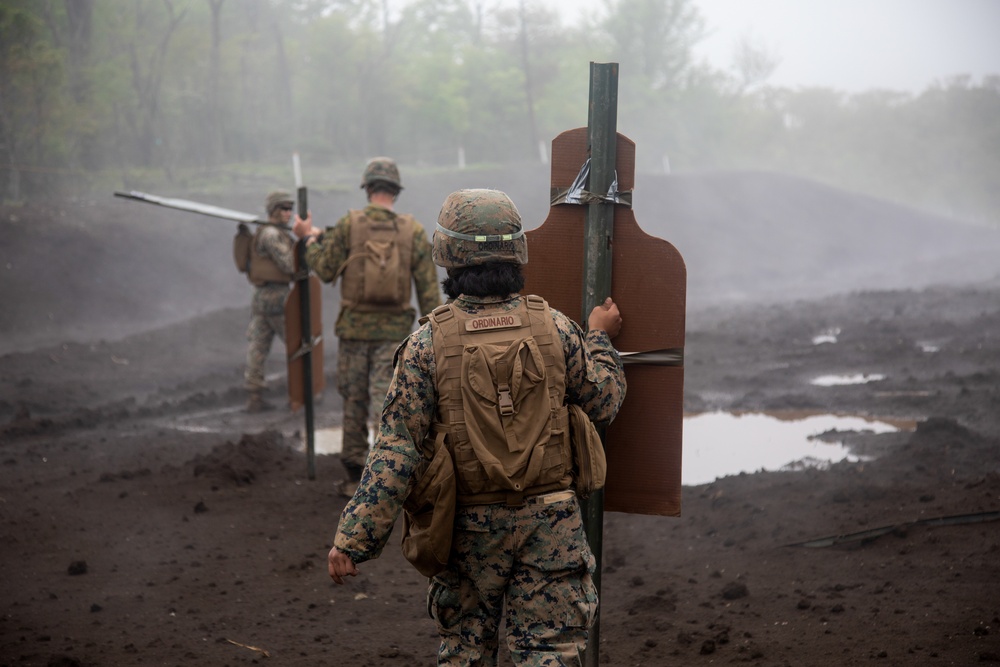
(501, 382)
(377, 269)
(263, 269)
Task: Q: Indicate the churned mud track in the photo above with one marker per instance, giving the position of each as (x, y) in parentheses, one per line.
(132, 537)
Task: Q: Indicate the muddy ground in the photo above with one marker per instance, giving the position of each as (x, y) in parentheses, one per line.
(146, 520)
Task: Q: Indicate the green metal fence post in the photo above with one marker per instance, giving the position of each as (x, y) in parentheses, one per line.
(598, 232)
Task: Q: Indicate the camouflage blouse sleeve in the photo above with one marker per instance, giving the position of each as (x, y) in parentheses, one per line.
(595, 376)
(424, 272)
(367, 520)
(327, 255)
(277, 245)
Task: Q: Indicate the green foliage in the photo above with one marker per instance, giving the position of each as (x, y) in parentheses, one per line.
(93, 91)
(655, 37)
(32, 94)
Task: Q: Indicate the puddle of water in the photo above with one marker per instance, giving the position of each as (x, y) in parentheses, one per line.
(827, 336)
(717, 444)
(191, 428)
(326, 440)
(837, 380)
(330, 440)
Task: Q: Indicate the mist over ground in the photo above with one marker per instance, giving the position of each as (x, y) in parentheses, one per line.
(105, 267)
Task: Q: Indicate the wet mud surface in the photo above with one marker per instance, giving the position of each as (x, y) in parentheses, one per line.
(145, 519)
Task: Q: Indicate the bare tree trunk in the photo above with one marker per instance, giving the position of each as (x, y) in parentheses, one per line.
(250, 101)
(79, 15)
(147, 85)
(528, 88)
(72, 38)
(214, 144)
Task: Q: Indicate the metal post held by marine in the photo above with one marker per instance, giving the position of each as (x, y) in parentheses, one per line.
(303, 333)
(302, 269)
(598, 235)
(304, 343)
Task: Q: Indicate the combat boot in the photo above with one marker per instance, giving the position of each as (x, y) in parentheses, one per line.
(256, 403)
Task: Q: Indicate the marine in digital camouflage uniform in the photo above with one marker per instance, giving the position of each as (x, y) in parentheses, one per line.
(276, 249)
(531, 561)
(367, 340)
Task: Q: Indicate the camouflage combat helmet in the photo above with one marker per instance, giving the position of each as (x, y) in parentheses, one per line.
(478, 226)
(381, 169)
(276, 199)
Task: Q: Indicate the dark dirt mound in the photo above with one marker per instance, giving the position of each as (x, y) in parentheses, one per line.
(239, 463)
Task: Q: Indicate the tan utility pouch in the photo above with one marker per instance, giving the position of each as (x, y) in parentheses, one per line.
(381, 281)
(590, 462)
(429, 513)
(376, 273)
(506, 402)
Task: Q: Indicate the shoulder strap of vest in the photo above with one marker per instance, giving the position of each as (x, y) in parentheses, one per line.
(407, 225)
(355, 218)
(448, 349)
(543, 330)
(256, 235)
(442, 313)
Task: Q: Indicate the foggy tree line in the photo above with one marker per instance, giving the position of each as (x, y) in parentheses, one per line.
(97, 91)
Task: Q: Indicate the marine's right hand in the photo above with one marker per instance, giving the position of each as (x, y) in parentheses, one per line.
(339, 565)
(606, 317)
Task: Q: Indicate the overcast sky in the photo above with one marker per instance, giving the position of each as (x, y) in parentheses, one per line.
(852, 45)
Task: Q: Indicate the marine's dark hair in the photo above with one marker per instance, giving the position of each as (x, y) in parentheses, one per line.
(489, 279)
(383, 186)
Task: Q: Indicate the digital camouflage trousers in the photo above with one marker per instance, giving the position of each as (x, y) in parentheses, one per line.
(531, 562)
(267, 320)
(364, 371)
